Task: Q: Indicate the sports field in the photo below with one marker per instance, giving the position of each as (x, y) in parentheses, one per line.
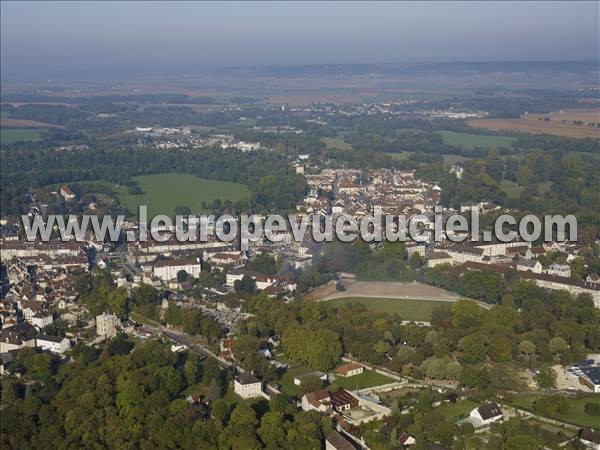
(163, 192)
(467, 140)
(10, 135)
(408, 309)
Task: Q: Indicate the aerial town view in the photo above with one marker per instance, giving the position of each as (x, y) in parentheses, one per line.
(300, 225)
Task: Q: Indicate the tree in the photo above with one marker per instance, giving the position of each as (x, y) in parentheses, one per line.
(246, 285)
(475, 377)
(558, 346)
(192, 369)
(119, 345)
(264, 263)
(214, 391)
(527, 349)
(182, 276)
(546, 379)
(473, 347)
(117, 302)
(592, 408)
(466, 314)
(272, 430)
(381, 347)
(500, 348)
(310, 383)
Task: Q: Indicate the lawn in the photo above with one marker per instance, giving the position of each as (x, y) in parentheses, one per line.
(575, 413)
(287, 380)
(11, 135)
(408, 309)
(509, 376)
(467, 140)
(458, 410)
(368, 378)
(163, 192)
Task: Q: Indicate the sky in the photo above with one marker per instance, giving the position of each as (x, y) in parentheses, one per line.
(42, 40)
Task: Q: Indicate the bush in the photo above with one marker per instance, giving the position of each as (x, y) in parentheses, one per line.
(554, 404)
(592, 408)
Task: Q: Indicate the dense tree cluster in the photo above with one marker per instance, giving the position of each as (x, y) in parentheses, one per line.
(137, 399)
(268, 176)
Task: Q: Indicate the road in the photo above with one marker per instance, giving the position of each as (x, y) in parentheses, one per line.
(182, 338)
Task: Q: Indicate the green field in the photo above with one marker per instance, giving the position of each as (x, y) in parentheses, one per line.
(400, 156)
(163, 192)
(364, 380)
(467, 140)
(10, 135)
(336, 142)
(575, 413)
(408, 309)
(458, 410)
(514, 190)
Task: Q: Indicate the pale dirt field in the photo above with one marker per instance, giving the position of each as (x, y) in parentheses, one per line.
(21, 123)
(532, 123)
(567, 381)
(382, 289)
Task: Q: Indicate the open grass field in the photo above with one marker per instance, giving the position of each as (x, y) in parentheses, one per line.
(336, 142)
(448, 159)
(467, 140)
(581, 123)
(514, 190)
(458, 410)
(575, 413)
(408, 309)
(163, 192)
(10, 135)
(364, 380)
(400, 156)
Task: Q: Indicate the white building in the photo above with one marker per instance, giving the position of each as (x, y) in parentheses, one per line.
(247, 385)
(349, 370)
(560, 270)
(486, 414)
(247, 146)
(17, 336)
(167, 269)
(106, 325)
(529, 265)
(41, 320)
(53, 344)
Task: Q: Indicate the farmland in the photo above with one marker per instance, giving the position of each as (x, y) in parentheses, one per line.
(570, 123)
(10, 135)
(467, 140)
(163, 192)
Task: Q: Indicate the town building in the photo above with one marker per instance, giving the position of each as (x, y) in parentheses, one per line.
(343, 400)
(106, 325)
(336, 441)
(247, 385)
(167, 269)
(17, 336)
(486, 414)
(53, 344)
(349, 370)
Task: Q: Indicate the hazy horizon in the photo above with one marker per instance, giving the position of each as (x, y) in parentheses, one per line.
(108, 40)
